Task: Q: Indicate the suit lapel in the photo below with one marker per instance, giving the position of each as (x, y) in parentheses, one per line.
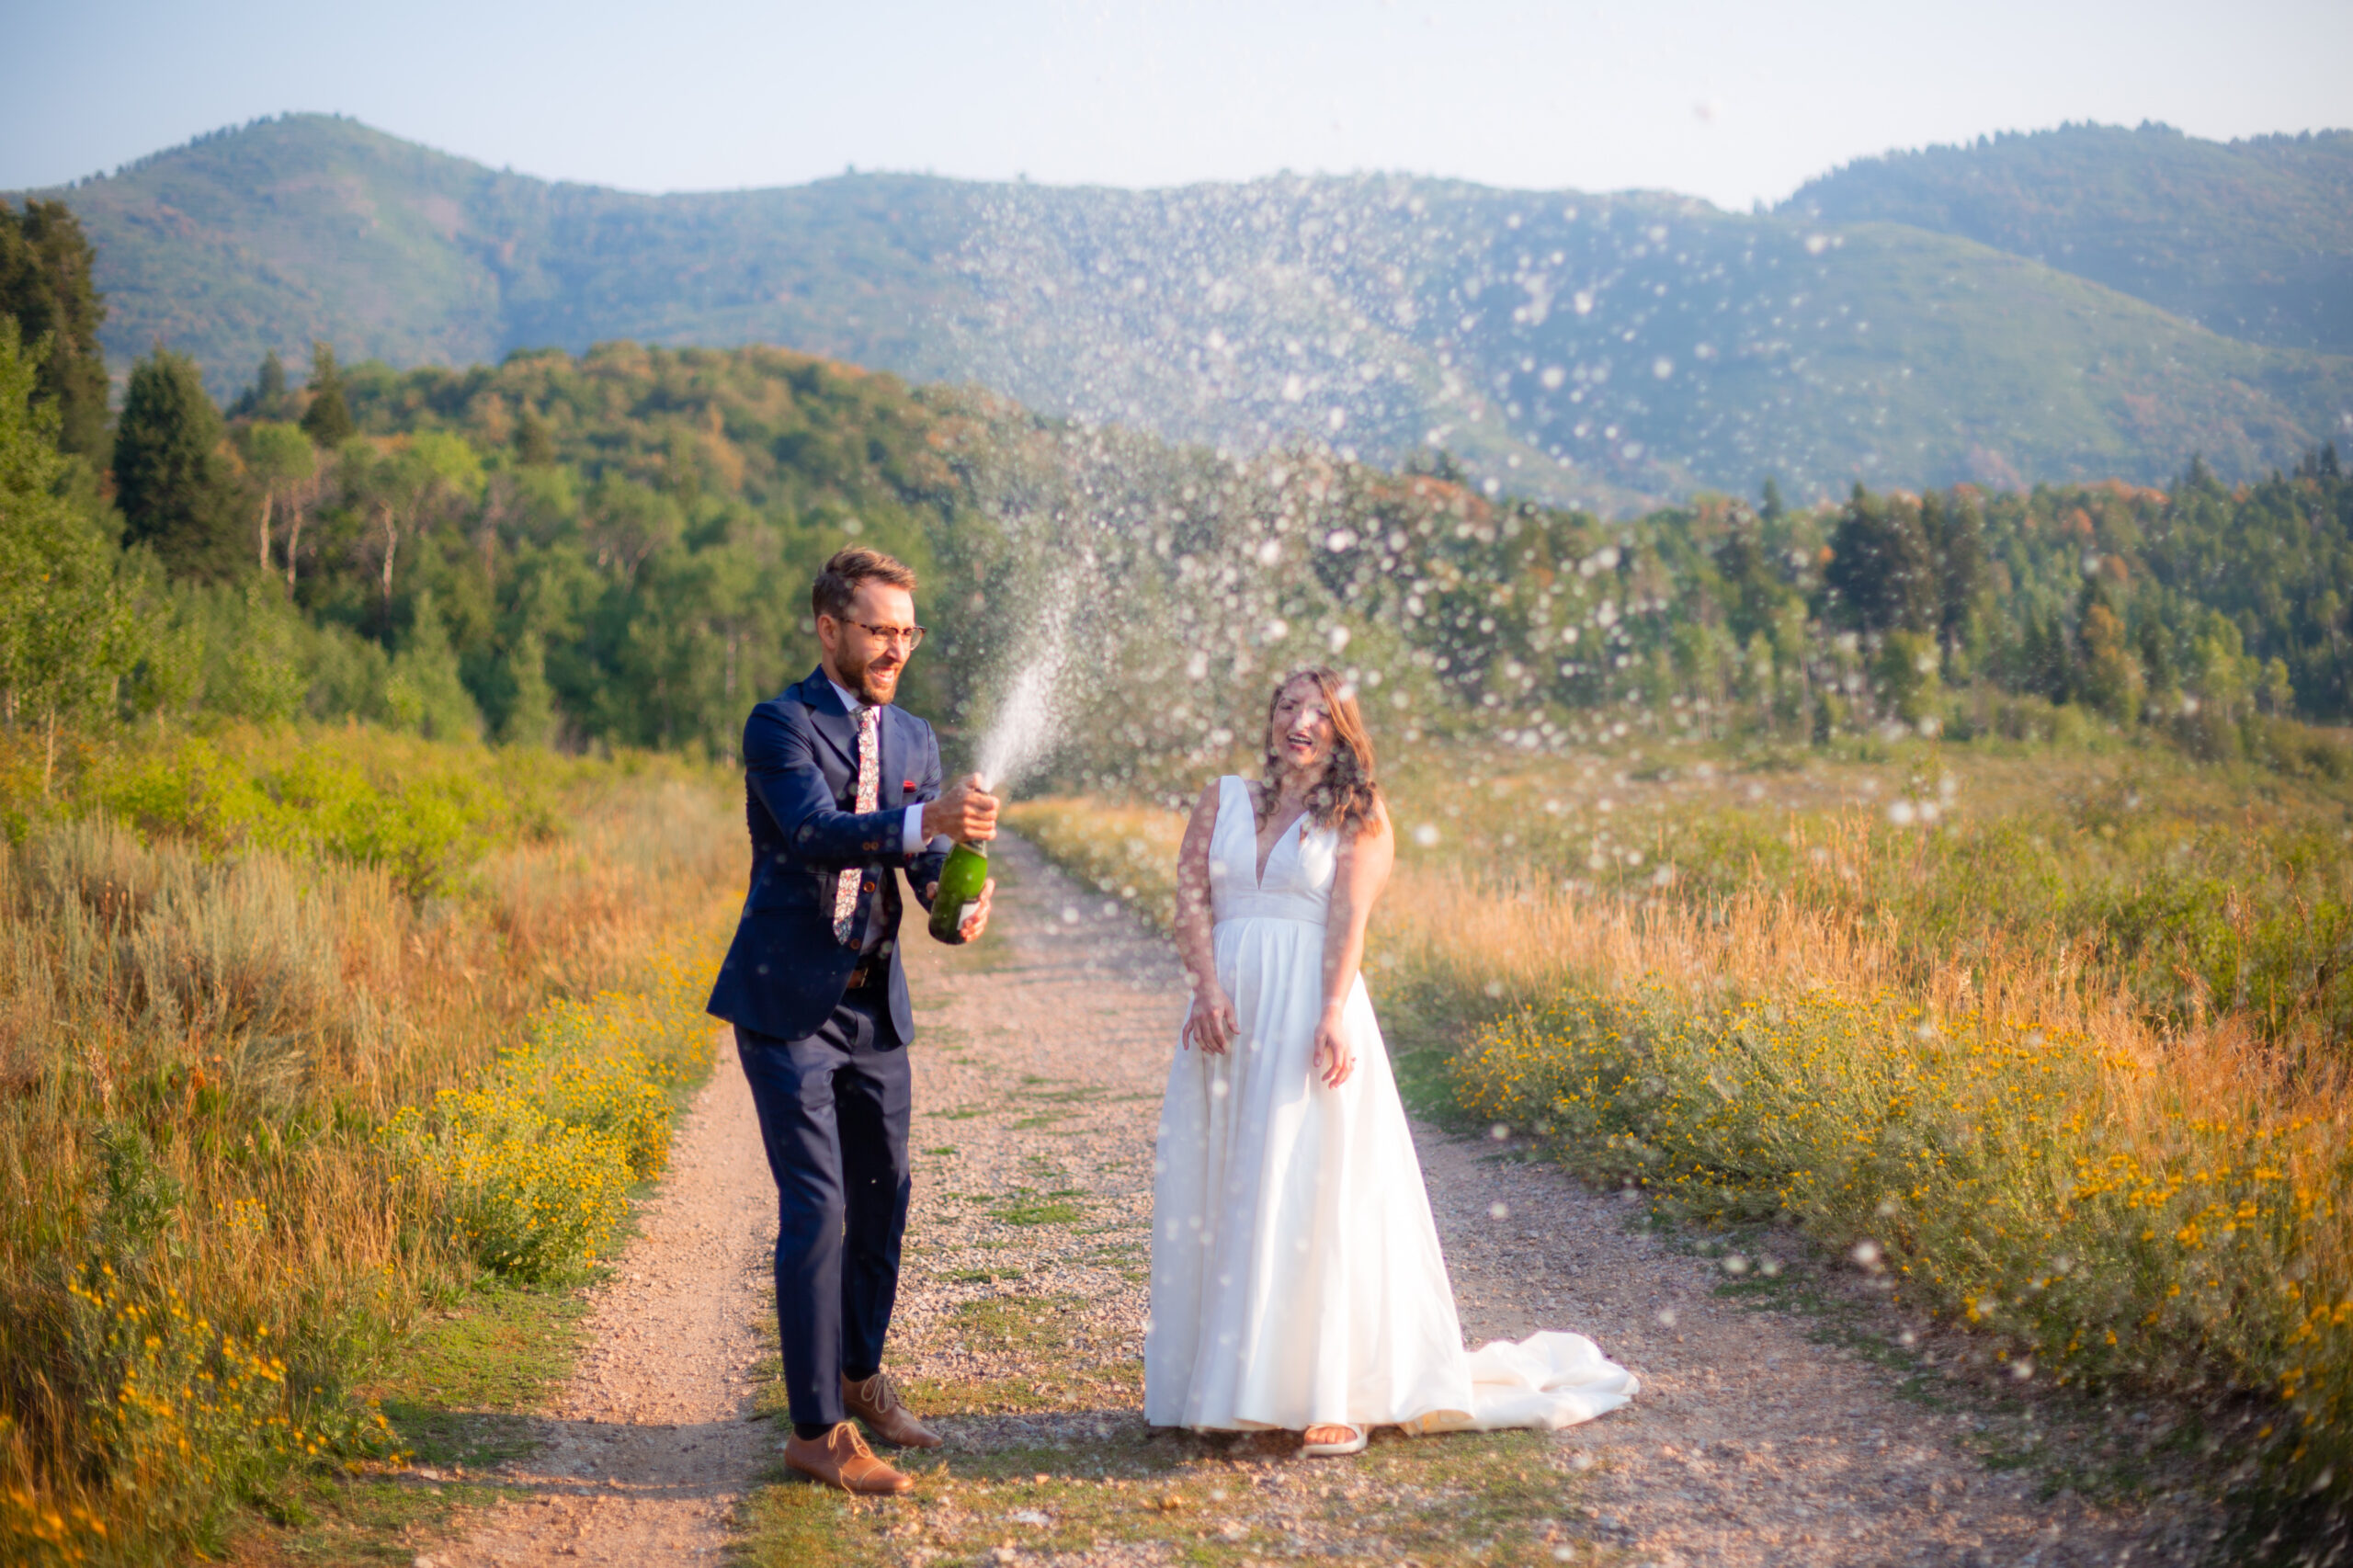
(830, 719)
(894, 752)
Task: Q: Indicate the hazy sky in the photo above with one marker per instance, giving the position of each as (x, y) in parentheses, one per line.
(1733, 101)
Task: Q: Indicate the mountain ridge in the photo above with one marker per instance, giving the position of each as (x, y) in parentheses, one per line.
(2148, 212)
(1597, 349)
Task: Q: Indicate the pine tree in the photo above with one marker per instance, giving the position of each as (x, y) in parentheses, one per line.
(534, 442)
(426, 693)
(1881, 567)
(266, 399)
(2157, 661)
(1956, 534)
(45, 284)
(2048, 660)
(530, 717)
(1755, 591)
(328, 419)
(177, 494)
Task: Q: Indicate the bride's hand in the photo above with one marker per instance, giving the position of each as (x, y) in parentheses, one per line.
(1211, 1023)
(1333, 1061)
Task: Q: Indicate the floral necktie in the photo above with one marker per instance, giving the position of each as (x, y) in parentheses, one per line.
(870, 776)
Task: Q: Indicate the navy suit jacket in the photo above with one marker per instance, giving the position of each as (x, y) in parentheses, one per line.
(785, 972)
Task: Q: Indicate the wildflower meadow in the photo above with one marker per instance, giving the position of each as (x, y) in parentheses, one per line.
(2065, 1071)
(309, 1036)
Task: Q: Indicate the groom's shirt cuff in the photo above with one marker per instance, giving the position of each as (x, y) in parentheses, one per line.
(911, 840)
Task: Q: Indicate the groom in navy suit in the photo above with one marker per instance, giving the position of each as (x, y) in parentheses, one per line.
(842, 790)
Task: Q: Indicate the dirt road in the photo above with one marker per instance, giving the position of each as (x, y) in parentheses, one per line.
(1777, 1422)
(646, 1452)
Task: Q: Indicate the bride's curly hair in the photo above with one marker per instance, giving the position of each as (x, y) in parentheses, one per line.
(1347, 798)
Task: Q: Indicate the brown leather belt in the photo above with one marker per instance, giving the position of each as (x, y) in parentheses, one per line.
(868, 972)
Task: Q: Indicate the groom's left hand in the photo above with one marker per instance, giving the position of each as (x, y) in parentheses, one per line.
(976, 919)
(976, 915)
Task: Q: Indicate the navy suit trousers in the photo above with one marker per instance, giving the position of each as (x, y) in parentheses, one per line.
(833, 1108)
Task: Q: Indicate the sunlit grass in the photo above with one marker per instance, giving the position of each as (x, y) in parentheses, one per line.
(1944, 1048)
(1073, 1479)
(223, 1202)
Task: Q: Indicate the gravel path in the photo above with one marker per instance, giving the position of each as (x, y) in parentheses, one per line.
(1759, 1439)
(647, 1449)
(1754, 1442)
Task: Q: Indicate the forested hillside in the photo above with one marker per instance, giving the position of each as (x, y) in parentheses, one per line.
(615, 549)
(2252, 239)
(307, 227)
(1580, 350)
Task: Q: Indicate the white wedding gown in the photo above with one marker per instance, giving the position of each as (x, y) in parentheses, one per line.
(1296, 1276)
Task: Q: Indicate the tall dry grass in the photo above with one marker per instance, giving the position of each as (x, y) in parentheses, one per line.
(2007, 1136)
(200, 1234)
(2197, 890)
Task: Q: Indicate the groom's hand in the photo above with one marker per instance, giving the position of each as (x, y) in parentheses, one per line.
(966, 813)
(976, 913)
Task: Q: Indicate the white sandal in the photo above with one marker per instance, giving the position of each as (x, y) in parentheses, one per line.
(1355, 1445)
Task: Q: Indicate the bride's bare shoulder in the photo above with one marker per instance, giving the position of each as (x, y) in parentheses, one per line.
(1375, 829)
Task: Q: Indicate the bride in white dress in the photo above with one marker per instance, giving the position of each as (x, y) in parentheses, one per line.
(1296, 1277)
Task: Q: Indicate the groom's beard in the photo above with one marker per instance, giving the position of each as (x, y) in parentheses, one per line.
(874, 687)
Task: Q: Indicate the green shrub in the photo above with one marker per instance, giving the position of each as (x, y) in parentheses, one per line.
(530, 1170)
(2205, 734)
(2298, 750)
(2097, 1215)
(198, 1418)
(526, 1193)
(424, 814)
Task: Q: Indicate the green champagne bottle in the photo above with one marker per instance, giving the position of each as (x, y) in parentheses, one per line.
(961, 881)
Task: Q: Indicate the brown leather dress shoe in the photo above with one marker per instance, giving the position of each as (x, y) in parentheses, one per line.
(876, 1403)
(841, 1459)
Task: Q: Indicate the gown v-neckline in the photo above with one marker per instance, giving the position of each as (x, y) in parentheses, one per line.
(1259, 881)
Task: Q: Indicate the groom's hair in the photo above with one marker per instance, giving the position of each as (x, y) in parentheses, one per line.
(837, 583)
(1347, 798)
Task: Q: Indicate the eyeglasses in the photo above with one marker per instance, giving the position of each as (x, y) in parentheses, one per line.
(911, 637)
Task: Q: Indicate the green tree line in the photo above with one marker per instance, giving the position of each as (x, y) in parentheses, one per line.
(614, 549)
